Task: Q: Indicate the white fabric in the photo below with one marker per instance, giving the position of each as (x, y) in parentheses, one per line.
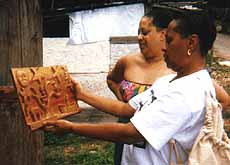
(100, 24)
(177, 113)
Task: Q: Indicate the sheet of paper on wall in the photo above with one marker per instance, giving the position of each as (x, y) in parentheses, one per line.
(45, 93)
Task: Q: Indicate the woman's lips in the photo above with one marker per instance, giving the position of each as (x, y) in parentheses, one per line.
(142, 46)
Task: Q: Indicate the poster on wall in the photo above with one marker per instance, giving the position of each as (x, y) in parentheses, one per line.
(44, 93)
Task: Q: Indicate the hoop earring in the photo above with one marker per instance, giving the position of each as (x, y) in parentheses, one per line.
(189, 52)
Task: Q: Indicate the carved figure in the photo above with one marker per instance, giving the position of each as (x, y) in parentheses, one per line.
(44, 93)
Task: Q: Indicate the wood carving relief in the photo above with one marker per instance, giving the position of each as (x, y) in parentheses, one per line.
(45, 93)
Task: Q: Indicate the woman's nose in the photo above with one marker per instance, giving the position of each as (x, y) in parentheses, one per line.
(140, 36)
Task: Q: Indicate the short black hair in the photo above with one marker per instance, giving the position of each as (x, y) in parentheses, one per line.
(197, 22)
(160, 16)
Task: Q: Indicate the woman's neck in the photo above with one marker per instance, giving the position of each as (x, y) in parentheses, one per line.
(190, 64)
(195, 66)
(182, 74)
(153, 59)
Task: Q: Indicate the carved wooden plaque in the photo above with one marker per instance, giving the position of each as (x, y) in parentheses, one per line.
(45, 93)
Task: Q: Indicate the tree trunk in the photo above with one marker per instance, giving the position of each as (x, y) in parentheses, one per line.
(20, 46)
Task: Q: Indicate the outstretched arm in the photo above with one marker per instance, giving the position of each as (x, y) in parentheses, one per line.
(111, 106)
(221, 95)
(115, 76)
(115, 132)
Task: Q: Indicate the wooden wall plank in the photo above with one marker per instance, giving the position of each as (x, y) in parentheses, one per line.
(21, 36)
(31, 33)
(10, 53)
(19, 146)
(20, 45)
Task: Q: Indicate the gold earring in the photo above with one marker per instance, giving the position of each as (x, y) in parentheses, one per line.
(189, 52)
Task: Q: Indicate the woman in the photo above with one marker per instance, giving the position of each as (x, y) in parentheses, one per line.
(173, 107)
(136, 72)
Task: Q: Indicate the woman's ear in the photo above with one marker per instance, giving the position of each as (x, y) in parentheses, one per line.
(193, 42)
(162, 35)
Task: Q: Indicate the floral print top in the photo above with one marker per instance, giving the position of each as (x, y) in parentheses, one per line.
(130, 89)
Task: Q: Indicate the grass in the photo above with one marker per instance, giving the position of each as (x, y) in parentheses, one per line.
(74, 150)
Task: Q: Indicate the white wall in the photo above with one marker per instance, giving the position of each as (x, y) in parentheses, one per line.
(84, 58)
(89, 65)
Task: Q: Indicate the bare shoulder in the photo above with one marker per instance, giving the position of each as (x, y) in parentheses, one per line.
(131, 58)
(125, 61)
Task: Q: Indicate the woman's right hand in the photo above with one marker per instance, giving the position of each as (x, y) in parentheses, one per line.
(77, 88)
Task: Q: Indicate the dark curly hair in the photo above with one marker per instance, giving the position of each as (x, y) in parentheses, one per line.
(160, 16)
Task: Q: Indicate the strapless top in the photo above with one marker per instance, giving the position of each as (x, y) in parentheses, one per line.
(130, 89)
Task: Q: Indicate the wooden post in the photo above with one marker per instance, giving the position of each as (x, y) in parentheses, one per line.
(20, 46)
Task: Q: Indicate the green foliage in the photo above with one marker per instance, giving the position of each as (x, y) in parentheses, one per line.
(74, 150)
